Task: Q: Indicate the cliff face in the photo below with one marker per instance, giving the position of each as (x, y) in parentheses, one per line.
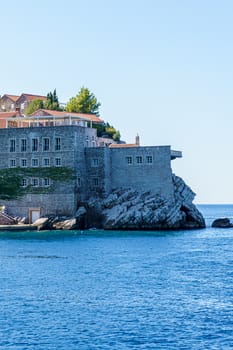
(128, 209)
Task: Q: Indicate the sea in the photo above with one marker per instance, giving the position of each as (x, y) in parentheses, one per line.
(89, 290)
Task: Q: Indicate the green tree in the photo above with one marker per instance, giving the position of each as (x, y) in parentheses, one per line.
(34, 106)
(84, 102)
(52, 101)
(9, 185)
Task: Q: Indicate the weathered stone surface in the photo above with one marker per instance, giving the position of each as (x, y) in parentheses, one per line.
(222, 223)
(130, 209)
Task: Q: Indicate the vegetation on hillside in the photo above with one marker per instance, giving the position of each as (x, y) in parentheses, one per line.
(84, 102)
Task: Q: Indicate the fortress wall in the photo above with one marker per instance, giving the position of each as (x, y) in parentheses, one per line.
(60, 198)
(97, 165)
(143, 168)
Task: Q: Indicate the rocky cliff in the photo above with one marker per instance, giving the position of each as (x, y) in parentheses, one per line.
(128, 209)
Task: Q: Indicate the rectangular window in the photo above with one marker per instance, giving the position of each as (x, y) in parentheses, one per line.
(149, 159)
(35, 145)
(12, 145)
(129, 160)
(46, 182)
(35, 162)
(24, 182)
(12, 163)
(57, 144)
(94, 162)
(46, 162)
(46, 144)
(57, 161)
(23, 147)
(23, 162)
(79, 182)
(95, 181)
(35, 182)
(139, 159)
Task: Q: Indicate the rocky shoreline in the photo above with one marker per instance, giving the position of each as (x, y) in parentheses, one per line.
(128, 209)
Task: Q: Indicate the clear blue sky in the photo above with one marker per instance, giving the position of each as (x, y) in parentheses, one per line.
(160, 68)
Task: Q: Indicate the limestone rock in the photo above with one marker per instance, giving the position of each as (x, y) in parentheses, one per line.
(128, 209)
(222, 223)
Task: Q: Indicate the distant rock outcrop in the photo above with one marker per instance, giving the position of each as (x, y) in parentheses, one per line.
(222, 223)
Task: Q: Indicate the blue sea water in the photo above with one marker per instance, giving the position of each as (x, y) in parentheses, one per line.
(118, 290)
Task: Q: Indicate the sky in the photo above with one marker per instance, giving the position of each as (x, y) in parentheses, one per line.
(162, 69)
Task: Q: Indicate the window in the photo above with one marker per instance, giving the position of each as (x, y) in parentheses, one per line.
(129, 160)
(35, 162)
(139, 159)
(57, 144)
(22, 106)
(12, 163)
(23, 162)
(35, 145)
(95, 181)
(24, 183)
(46, 162)
(35, 182)
(46, 182)
(95, 162)
(12, 106)
(46, 144)
(12, 145)
(79, 182)
(149, 159)
(23, 147)
(57, 161)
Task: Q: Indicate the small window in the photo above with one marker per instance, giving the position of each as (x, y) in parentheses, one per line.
(149, 159)
(139, 159)
(24, 183)
(46, 144)
(95, 162)
(23, 147)
(95, 181)
(57, 144)
(12, 163)
(57, 161)
(46, 182)
(129, 160)
(12, 145)
(22, 106)
(35, 145)
(79, 182)
(23, 162)
(35, 182)
(46, 162)
(35, 162)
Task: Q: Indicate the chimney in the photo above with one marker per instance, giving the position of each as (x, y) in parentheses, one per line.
(137, 140)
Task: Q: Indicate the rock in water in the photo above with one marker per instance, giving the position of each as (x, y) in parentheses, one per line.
(129, 209)
(222, 223)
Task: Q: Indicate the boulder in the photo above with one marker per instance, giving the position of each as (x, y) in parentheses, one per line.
(222, 223)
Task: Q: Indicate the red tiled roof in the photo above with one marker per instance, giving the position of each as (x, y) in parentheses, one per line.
(31, 97)
(14, 98)
(4, 115)
(91, 117)
(123, 145)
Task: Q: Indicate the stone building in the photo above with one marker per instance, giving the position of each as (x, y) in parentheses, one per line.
(45, 143)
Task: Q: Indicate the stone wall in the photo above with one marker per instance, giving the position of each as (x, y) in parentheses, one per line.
(143, 168)
(59, 197)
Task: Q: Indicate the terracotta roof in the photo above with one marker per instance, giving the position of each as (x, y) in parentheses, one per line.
(90, 117)
(31, 97)
(14, 98)
(123, 145)
(4, 115)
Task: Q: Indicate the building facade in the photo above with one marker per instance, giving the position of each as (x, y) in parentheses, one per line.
(97, 169)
